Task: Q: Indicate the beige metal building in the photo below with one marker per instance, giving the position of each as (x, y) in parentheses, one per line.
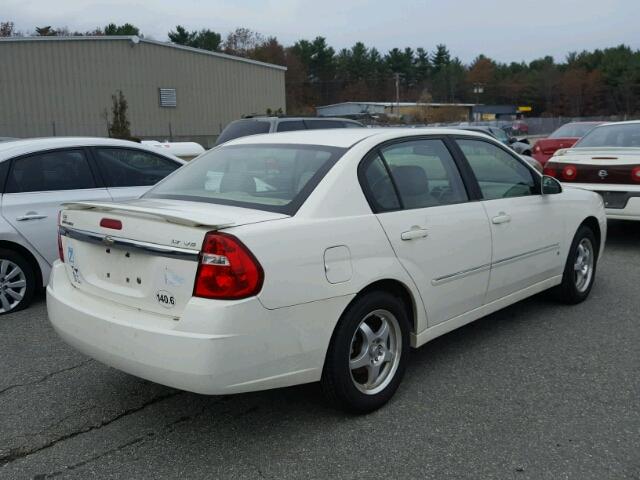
(63, 86)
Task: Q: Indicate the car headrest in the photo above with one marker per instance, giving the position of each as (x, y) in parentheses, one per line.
(411, 180)
(237, 182)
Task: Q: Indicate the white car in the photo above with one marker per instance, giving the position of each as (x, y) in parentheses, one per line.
(607, 161)
(366, 242)
(37, 175)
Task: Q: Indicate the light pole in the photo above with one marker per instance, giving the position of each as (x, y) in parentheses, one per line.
(478, 88)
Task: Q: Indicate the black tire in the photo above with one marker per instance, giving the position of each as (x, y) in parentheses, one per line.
(568, 291)
(338, 383)
(29, 276)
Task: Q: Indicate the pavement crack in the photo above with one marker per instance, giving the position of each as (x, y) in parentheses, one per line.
(21, 452)
(45, 378)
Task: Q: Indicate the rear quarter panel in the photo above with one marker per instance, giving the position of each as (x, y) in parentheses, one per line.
(580, 204)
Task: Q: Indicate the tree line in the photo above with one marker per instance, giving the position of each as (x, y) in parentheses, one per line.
(588, 83)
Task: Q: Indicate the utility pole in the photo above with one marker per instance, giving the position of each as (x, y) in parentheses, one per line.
(397, 78)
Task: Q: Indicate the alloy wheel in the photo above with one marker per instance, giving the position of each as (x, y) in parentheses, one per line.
(376, 348)
(583, 265)
(13, 285)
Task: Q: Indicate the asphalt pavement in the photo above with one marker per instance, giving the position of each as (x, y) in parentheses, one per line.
(536, 391)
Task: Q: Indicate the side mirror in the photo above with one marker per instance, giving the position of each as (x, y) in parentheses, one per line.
(550, 186)
(512, 140)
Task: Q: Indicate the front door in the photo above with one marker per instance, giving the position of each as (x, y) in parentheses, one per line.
(526, 226)
(441, 238)
(36, 186)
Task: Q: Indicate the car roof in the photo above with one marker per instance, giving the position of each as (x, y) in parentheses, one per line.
(343, 137)
(12, 148)
(628, 122)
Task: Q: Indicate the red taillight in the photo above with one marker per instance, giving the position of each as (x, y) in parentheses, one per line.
(111, 223)
(227, 269)
(635, 174)
(60, 249)
(569, 172)
(550, 171)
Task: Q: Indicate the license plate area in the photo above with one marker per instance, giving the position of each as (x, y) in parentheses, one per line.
(122, 267)
(615, 199)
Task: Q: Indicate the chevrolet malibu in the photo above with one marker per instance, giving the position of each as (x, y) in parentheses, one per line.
(298, 257)
(606, 161)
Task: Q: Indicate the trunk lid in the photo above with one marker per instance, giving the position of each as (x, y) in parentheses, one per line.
(150, 262)
(604, 165)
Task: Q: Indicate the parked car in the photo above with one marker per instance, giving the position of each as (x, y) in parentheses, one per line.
(607, 161)
(37, 175)
(318, 256)
(182, 150)
(564, 137)
(521, 147)
(519, 127)
(257, 125)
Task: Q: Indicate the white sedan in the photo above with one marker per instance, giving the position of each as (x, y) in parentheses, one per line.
(283, 259)
(37, 175)
(607, 161)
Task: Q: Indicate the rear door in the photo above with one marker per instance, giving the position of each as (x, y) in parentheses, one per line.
(128, 173)
(439, 234)
(38, 184)
(526, 226)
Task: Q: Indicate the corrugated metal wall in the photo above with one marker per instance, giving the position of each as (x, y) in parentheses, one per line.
(64, 87)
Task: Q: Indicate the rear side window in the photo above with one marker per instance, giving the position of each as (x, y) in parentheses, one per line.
(243, 128)
(290, 125)
(320, 124)
(272, 177)
(50, 171)
(422, 172)
(425, 174)
(123, 167)
(378, 185)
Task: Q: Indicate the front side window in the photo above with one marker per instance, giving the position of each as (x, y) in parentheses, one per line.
(272, 177)
(50, 171)
(424, 173)
(123, 167)
(499, 174)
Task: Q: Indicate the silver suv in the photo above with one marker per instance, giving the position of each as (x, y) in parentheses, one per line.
(256, 125)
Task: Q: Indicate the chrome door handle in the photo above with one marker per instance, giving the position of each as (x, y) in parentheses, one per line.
(28, 217)
(501, 218)
(415, 232)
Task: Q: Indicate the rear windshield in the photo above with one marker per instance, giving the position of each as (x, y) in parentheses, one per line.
(242, 128)
(572, 130)
(627, 135)
(272, 177)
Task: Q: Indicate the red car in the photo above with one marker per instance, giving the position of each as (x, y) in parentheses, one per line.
(519, 127)
(563, 137)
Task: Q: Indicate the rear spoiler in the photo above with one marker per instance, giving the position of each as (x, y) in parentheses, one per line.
(189, 220)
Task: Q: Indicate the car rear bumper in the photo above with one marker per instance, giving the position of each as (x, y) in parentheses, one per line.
(215, 347)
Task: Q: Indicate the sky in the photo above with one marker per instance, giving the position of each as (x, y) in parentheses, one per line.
(515, 30)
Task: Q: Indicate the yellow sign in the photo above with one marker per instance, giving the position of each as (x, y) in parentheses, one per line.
(525, 109)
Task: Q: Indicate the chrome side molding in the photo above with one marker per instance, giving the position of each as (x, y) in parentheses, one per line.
(498, 263)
